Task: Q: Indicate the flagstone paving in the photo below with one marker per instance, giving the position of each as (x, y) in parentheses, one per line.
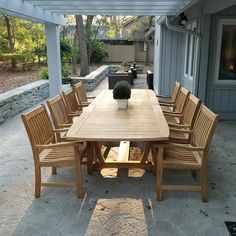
(117, 202)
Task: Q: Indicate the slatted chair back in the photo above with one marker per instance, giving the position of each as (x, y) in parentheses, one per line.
(175, 91)
(71, 101)
(80, 92)
(181, 100)
(191, 110)
(58, 112)
(38, 127)
(204, 128)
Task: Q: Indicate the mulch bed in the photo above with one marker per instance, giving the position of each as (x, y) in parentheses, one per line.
(10, 80)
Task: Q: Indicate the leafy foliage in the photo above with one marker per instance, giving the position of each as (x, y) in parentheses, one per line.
(98, 51)
(43, 73)
(122, 90)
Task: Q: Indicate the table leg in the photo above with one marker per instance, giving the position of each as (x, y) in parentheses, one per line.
(90, 158)
(147, 149)
(98, 152)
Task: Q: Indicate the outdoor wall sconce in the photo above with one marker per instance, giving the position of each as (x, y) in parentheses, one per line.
(183, 19)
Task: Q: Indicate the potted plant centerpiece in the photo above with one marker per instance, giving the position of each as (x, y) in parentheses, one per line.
(122, 92)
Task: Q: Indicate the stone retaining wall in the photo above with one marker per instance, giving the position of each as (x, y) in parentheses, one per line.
(92, 80)
(16, 100)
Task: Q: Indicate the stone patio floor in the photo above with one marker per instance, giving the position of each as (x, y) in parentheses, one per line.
(116, 202)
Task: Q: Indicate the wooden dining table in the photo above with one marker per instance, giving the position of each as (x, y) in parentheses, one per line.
(101, 121)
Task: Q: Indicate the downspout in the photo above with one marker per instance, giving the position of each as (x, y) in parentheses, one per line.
(199, 37)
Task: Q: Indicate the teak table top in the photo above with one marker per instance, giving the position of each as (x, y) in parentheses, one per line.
(102, 121)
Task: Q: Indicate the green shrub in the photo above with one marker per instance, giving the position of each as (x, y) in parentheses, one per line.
(98, 51)
(66, 50)
(66, 74)
(43, 73)
(122, 90)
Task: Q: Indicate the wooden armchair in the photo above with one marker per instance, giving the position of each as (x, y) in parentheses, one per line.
(72, 104)
(49, 153)
(81, 94)
(170, 99)
(177, 107)
(191, 156)
(178, 124)
(60, 116)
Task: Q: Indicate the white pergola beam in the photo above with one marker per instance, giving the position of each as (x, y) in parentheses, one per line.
(25, 10)
(105, 3)
(108, 8)
(116, 13)
(111, 7)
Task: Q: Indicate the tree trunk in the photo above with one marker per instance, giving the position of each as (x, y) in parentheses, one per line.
(84, 66)
(88, 35)
(10, 40)
(147, 63)
(74, 57)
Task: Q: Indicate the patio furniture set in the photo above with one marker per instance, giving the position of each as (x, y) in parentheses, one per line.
(127, 75)
(176, 130)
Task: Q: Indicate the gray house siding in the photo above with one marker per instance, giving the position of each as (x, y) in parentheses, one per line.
(171, 58)
(219, 97)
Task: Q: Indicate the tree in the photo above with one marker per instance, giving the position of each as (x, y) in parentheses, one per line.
(147, 62)
(10, 40)
(88, 35)
(84, 65)
(20, 40)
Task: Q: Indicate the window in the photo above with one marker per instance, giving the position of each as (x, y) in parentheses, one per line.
(190, 52)
(226, 52)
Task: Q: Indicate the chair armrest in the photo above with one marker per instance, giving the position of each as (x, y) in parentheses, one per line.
(60, 130)
(163, 96)
(91, 97)
(166, 104)
(177, 145)
(75, 114)
(64, 125)
(178, 125)
(55, 145)
(169, 113)
(83, 105)
(181, 130)
(86, 103)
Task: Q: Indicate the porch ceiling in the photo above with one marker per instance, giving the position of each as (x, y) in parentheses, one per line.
(111, 7)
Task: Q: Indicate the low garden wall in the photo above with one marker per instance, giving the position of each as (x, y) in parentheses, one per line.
(16, 100)
(92, 80)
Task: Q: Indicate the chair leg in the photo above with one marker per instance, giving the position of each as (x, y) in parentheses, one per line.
(78, 172)
(159, 173)
(37, 181)
(203, 180)
(54, 170)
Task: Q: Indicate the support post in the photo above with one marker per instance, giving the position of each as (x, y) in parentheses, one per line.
(157, 61)
(54, 59)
